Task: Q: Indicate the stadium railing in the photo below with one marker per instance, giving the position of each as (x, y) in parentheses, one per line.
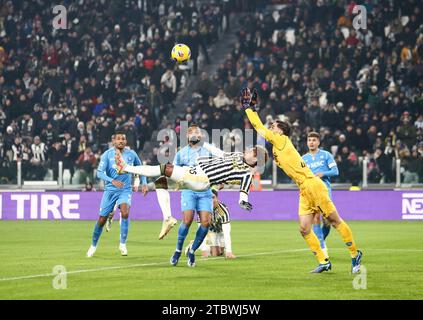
(271, 182)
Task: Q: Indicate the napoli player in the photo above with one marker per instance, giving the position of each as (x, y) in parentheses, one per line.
(192, 201)
(323, 166)
(117, 191)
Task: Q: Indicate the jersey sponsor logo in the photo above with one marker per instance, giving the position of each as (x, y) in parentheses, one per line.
(412, 206)
(314, 165)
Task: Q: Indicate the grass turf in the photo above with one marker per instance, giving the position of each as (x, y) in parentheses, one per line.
(272, 263)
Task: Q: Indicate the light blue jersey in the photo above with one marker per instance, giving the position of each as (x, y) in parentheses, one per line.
(192, 200)
(322, 162)
(106, 172)
(113, 195)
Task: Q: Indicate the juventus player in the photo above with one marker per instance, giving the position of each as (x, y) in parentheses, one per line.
(226, 167)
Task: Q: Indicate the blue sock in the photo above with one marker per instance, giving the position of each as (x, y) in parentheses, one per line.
(182, 234)
(318, 231)
(325, 230)
(199, 237)
(124, 226)
(96, 234)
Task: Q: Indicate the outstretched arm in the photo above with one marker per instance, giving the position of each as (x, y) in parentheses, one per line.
(213, 150)
(273, 138)
(249, 102)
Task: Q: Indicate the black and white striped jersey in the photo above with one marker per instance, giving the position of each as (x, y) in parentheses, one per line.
(219, 217)
(229, 169)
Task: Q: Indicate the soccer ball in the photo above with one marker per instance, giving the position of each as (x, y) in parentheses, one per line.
(181, 53)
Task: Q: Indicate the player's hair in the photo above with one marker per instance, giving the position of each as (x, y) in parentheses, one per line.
(313, 134)
(193, 125)
(260, 149)
(118, 132)
(284, 126)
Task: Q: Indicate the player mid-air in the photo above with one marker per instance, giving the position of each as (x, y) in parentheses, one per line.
(323, 165)
(233, 167)
(117, 190)
(314, 195)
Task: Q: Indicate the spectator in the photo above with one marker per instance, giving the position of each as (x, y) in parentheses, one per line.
(70, 150)
(86, 163)
(221, 100)
(413, 167)
(57, 155)
(38, 160)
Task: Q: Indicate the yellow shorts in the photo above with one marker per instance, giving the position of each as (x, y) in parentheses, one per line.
(314, 198)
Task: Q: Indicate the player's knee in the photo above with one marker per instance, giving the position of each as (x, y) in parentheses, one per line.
(187, 221)
(102, 221)
(304, 230)
(334, 219)
(205, 223)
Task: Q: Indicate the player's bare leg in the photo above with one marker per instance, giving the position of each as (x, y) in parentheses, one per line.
(344, 230)
(124, 211)
(163, 197)
(216, 251)
(313, 242)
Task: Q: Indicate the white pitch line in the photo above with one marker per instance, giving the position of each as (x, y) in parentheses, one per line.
(213, 258)
(142, 265)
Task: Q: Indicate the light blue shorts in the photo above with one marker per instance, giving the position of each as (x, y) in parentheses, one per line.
(197, 200)
(112, 198)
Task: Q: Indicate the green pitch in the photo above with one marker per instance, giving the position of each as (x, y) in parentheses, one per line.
(272, 263)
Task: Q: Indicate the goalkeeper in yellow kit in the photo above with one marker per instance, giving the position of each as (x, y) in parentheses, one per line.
(314, 196)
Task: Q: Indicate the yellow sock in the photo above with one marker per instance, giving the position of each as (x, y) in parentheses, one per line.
(314, 244)
(347, 236)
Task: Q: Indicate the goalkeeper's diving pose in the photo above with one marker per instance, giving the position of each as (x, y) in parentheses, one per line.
(225, 167)
(314, 195)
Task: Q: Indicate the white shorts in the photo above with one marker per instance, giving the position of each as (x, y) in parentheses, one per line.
(215, 239)
(192, 178)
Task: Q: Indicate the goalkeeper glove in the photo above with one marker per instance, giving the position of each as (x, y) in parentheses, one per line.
(249, 100)
(245, 97)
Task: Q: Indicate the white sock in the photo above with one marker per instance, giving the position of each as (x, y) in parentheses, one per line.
(226, 227)
(146, 171)
(163, 197)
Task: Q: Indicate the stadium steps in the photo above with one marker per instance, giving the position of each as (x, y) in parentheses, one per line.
(217, 53)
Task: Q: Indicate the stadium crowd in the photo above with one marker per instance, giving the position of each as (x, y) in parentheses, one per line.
(64, 92)
(360, 89)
